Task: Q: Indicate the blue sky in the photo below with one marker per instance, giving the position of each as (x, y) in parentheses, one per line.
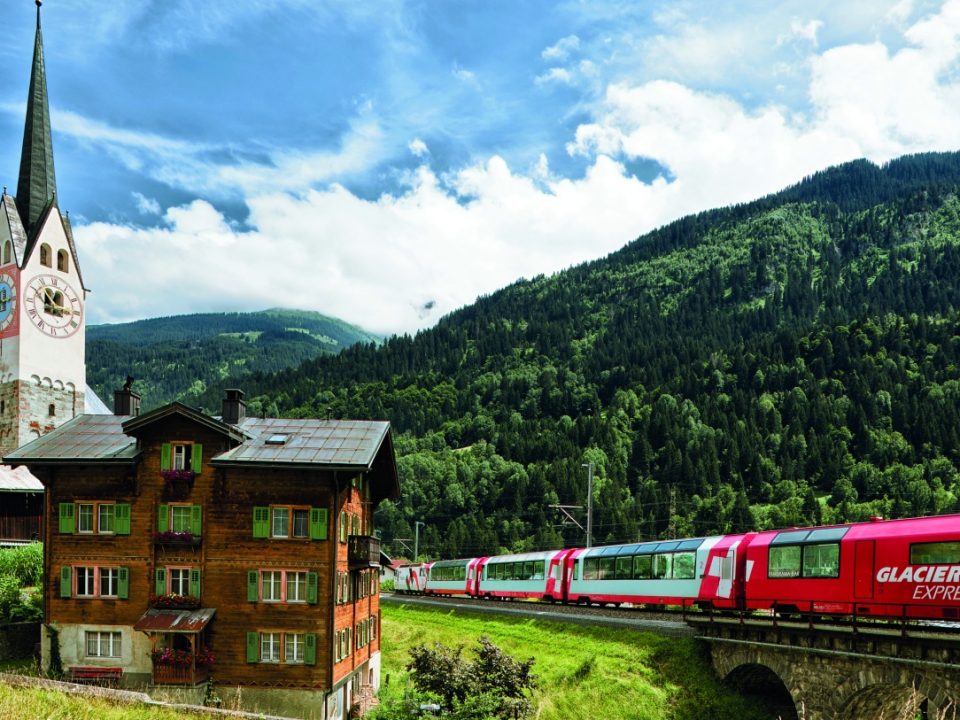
(387, 162)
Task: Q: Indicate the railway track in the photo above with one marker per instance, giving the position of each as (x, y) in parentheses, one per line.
(682, 623)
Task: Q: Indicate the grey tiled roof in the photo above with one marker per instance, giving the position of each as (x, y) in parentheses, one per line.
(92, 438)
(270, 441)
(338, 443)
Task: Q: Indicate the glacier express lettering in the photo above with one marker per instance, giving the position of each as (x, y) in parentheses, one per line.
(920, 574)
(939, 581)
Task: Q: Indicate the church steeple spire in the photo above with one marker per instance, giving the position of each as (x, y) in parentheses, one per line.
(37, 183)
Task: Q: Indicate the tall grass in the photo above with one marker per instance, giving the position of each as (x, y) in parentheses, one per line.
(585, 672)
(21, 703)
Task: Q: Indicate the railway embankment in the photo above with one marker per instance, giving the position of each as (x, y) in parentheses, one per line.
(661, 624)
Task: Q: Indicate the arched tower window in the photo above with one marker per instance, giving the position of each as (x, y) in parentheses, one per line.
(7, 252)
(45, 255)
(52, 410)
(63, 262)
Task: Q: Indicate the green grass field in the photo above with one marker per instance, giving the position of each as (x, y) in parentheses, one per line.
(584, 672)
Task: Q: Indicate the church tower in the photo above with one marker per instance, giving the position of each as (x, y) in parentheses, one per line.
(42, 295)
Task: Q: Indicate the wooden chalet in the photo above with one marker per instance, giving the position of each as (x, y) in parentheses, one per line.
(183, 546)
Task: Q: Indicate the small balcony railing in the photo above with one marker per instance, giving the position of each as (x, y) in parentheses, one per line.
(179, 675)
(363, 551)
(173, 539)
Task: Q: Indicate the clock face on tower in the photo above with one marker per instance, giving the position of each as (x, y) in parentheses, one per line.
(53, 306)
(8, 301)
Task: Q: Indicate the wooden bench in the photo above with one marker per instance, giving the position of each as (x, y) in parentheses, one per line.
(95, 675)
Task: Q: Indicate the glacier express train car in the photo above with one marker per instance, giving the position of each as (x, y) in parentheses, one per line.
(903, 568)
(653, 573)
(454, 577)
(411, 579)
(535, 575)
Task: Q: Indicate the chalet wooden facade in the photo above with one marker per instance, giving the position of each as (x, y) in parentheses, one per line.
(181, 545)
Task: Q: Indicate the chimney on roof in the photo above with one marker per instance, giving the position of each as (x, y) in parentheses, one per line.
(127, 400)
(234, 410)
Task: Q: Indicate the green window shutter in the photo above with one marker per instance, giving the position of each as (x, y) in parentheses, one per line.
(123, 583)
(195, 583)
(163, 515)
(196, 515)
(66, 517)
(310, 649)
(318, 523)
(343, 527)
(165, 456)
(253, 647)
(161, 583)
(252, 589)
(65, 582)
(312, 588)
(196, 458)
(261, 522)
(121, 519)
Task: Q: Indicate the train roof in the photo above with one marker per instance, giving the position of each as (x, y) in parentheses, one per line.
(875, 529)
(539, 555)
(647, 548)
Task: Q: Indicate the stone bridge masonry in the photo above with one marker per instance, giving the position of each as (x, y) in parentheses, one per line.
(810, 671)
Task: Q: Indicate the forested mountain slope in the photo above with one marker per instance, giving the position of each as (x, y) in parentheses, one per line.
(177, 357)
(782, 362)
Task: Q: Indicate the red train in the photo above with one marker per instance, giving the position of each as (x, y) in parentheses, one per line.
(883, 568)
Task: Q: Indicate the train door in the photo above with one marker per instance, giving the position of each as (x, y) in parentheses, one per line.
(863, 554)
(728, 564)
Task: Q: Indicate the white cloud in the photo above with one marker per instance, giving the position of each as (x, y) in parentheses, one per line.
(145, 205)
(555, 75)
(418, 147)
(189, 165)
(803, 31)
(562, 49)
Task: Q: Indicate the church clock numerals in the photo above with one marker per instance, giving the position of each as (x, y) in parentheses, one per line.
(8, 301)
(53, 306)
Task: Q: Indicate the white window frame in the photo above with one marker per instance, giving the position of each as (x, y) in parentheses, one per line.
(89, 581)
(294, 646)
(105, 643)
(271, 585)
(89, 530)
(270, 647)
(185, 511)
(183, 580)
(101, 515)
(295, 580)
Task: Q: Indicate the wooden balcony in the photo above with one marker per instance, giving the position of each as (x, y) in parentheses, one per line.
(17, 529)
(363, 551)
(179, 675)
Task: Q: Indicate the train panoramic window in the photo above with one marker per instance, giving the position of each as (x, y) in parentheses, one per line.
(784, 562)
(606, 568)
(821, 561)
(624, 568)
(936, 553)
(662, 565)
(642, 567)
(684, 566)
(589, 569)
